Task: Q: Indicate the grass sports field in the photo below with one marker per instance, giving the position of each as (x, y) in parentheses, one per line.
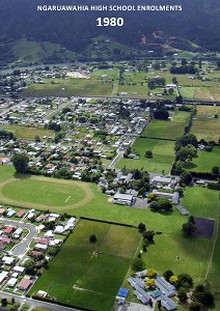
(88, 274)
(163, 156)
(37, 191)
(205, 125)
(167, 129)
(68, 87)
(42, 193)
(195, 254)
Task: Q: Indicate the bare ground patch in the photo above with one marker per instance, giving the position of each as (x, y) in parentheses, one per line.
(204, 227)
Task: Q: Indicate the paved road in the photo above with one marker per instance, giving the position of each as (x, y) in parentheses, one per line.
(35, 303)
(21, 248)
(116, 159)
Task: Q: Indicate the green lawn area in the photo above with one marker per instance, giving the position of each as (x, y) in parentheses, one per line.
(194, 253)
(68, 87)
(188, 92)
(105, 74)
(205, 203)
(214, 275)
(40, 192)
(132, 90)
(203, 93)
(163, 155)
(205, 161)
(205, 125)
(185, 80)
(25, 132)
(6, 171)
(85, 274)
(201, 202)
(167, 129)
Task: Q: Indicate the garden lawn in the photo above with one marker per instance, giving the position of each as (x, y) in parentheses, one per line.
(85, 274)
(163, 156)
(167, 129)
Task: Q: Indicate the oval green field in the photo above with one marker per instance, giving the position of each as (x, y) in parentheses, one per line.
(43, 192)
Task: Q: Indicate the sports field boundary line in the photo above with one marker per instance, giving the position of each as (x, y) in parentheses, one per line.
(89, 195)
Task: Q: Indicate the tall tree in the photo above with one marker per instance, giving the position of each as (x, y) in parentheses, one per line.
(20, 162)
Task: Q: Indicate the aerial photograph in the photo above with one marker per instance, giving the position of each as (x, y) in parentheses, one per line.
(109, 155)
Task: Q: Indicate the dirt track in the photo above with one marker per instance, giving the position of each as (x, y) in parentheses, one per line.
(84, 186)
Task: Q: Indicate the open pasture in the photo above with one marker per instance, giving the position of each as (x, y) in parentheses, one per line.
(25, 132)
(205, 161)
(163, 156)
(206, 125)
(69, 87)
(167, 129)
(86, 274)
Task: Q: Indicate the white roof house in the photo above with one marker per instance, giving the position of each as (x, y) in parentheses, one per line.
(18, 269)
(3, 275)
(59, 229)
(42, 247)
(8, 260)
(71, 220)
(12, 282)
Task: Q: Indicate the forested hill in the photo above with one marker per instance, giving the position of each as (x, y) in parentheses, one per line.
(199, 22)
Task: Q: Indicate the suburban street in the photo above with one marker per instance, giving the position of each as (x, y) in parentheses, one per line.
(116, 159)
(35, 303)
(21, 248)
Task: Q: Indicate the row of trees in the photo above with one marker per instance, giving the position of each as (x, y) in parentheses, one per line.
(186, 150)
(184, 68)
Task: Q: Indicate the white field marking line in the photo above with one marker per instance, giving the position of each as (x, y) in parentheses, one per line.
(68, 199)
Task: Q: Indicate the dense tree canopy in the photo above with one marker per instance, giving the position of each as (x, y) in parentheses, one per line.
(138, 264)
(188, 139)
(20, 162)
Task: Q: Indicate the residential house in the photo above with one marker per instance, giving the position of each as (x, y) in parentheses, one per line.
(25, 284)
